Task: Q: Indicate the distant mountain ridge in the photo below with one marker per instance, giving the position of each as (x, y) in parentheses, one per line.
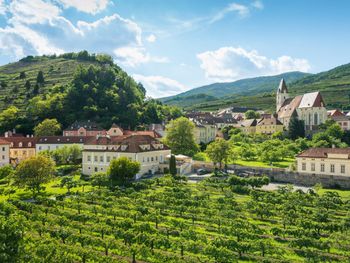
(249, 86)
(333, 84)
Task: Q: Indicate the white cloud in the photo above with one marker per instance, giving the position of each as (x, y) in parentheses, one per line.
(159, 86)
(32, 12)
(87, 6)
(134, 56)
(2, 7)
(232, 63)
(258, 5)
(241, 10)
(151, 38)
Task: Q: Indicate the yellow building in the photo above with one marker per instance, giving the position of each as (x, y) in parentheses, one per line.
(327, 161)
(248, 126)
(269, 126)
(99, 151)
(21, 148)
(204, 133)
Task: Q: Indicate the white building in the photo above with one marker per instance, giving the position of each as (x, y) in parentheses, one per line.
(4, 152)
(328, 161)
(309, 107)
(55, 142)
(148, 151)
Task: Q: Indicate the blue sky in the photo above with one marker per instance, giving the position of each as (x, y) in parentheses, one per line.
(175, 45)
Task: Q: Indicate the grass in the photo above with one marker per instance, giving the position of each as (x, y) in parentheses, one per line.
(283, 164)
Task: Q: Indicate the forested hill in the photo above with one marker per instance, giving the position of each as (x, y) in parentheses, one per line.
(250, 86)
(333, 84)
(73, 86)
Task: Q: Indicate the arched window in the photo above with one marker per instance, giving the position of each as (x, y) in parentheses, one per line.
(310, 118)
(316, 118)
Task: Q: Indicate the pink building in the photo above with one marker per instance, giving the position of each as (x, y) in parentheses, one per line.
(84, 128)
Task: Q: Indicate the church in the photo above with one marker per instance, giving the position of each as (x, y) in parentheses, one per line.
(309, 107)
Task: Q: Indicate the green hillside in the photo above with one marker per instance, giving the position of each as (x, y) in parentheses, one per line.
(58, 72)
(333, 84)
(249, 86)
(74, 86)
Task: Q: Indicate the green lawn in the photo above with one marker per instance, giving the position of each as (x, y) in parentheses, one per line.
(284, 164)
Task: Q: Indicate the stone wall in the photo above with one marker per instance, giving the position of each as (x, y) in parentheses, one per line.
(285, 176)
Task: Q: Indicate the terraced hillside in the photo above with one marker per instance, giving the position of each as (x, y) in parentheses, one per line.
(57, 72)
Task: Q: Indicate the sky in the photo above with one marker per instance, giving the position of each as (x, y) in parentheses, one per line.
(174, 45)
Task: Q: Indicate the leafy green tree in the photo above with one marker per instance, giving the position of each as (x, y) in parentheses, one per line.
(219, 151)
(6, 171)
(122, 170)
(40, 78)
(22, 75)
(172, 165)
(34, 172)
(335, 131)
(180, 136)
(250, 114)
(48, 127)
(9, 118)
(11, 238)
(296, 128)
(99, 179)
(68, 182)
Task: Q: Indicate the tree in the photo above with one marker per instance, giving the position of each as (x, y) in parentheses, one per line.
(27, 85)
(296, 128)
(48, 127)
(250, 114)
(99, 179)
(9, 118)
(6, 171)
(180, 136)
(122, 170)
(22, 75)
(68, 182)
(218, 151)
(335, 131)
(172, 165)
(11, 236)
(34, 172)
(40, 78)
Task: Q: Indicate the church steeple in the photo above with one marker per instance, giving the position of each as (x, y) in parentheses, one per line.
(282, 94)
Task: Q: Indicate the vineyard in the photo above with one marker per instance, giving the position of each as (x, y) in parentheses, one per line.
(168, 220)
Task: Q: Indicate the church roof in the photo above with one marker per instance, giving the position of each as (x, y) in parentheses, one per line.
(313, 99)
(289, 106)
(282, 87)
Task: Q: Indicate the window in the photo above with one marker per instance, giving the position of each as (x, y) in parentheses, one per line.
(3, 157)
(148, 159)
(332, 168)
(156, 158)
(152, 159)
(29, 144)
(316, 118)
(89, 158)
(3, 149)
(312, 167)
(101, 159)
(342, 169)
(39, 148)
(96, 169)
(322, 167)
(303, 166)
(19, 145)
(95, 158)
(108, 159)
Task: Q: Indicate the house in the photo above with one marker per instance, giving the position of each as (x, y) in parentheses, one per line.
(84, 128)
(335, 113)
(55, 142)
(248, 126)
(309, 108)
(328, 161)
(183, 163)
(21, 148)
(269, 126)
(4, 152)
(343, 121)
(204, 132)
(100, 150)
(153, 134)
(115, 130)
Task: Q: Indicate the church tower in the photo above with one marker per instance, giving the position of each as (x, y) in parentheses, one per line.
(282, 94)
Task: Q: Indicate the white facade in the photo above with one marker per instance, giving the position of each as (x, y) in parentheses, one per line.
(97, 160)
(54, 146)
(4, 154)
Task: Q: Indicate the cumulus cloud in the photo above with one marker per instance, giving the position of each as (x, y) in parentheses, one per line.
(159, 86)
(37, 27)
(87, 6)
(133, 56)
(232, 63)
(151, 38)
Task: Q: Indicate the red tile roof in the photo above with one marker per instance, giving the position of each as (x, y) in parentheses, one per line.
(21, 142)
(323, 152)
(4, 142)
